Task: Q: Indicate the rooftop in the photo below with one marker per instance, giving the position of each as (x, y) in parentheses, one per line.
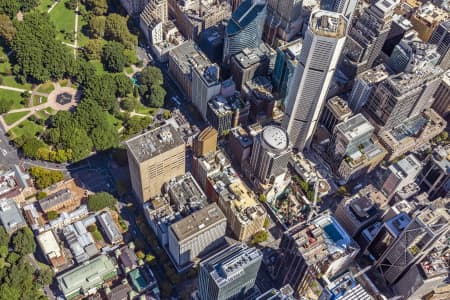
(275, 137)
(154, 142)
(431, 14)
(86, 276)
(355, 127)
(375, 75)
(52, 200)
(222, 105)
(346, 287)
(185, 193)
(10, 215)
(244, 138)
(189, 56)
(292, 49)
(328, 24)
(339, 107)
(246, 12)
(248, 57)
(226, 265)
(197, 221)
(109, 227)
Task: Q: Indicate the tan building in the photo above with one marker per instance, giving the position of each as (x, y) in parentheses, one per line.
(441, 102)
(205, 142)
(427, 18)
(397, 143)
(154, 158)
(244, 213)
(192, 17)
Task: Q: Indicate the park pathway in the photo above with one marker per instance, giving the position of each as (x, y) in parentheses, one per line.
(52, 7)
(75, 40)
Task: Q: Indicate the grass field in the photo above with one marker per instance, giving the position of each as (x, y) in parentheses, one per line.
(64, 82)
(46, 88)
(11, 81)
(26, 128)
(128, 70)
(114, 121)
(98, 67)
(64, 20)
(44, 5)
(12, 95)
(37, 100)
(11, 118)
(142, 109)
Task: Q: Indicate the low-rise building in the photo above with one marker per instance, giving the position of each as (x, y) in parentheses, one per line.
(258, 92)
(79, 240)
(241, 143)
(109, 228)
(143, 279)
(51, 249)
(427, 18)
(85, 279)
(15, 183)
(345, 287)
(335, 111)
(434, 179)
(59, 200)
(10, 215)
(248, 64)
(412, 134)
(226, 112)
(127, 258)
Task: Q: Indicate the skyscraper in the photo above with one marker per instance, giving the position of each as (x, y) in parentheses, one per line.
(154, 158)
(441, 37)
(321, 49)
(245, 28)
(230, 273)
(413, 243)
(345, 7)
(205, 85)
(270, 154)
(366, 38)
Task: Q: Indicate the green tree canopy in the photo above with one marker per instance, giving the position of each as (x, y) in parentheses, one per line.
(96, 27)
(102, 89)
(98, 7)
(113, 57)
(128, 104)
(39, 55)
(23, 241)
(136, 124)
(94, 49)
(5, 105)
(44, 177)
(100, 201)
(124, 85)
(7, 29)
(150, 76)
(9, 7)
(116, 29)
(4, 237)
(157, 96)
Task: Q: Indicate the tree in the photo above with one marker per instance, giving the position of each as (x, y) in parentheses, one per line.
(83, 71)
(23, 241)
(136, 124)
(149, 259)
(98, 7)
(157, 96)
(342, 190)
(39, 55)
(124, 85)
(9, 7)
(31, 147)
(52, 215)
(4, 237)
(80, 144)
(128, 104)
(71, 4)
(94, 49)
(444, 135)
(96, 27)
(45, 276)
(41, 195)
(7, 29)
(150, 76)
(263, 198)
(44, 178)
(102, 89)
(113, 57)
(104, 136)
(116, 29)
(167, 114)
(27, 5)
(100, 201)
(5, 105)
(140, 254)
(260, 236)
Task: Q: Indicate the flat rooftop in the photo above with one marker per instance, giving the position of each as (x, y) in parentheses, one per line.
(186, 193)
(154, 142)
(188, 55)
(355, 126)
(328, 24)
(249, 57)
(197, 221)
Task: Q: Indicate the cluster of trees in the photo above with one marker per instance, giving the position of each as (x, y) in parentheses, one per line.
(260, 236)
(12, 7)
(100, 201)
(112, 27)
(18, 278)
(150, 86)
(44, 178)
(40, 57)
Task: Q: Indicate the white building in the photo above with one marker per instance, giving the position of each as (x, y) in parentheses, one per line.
(205, 85)
(323, 43)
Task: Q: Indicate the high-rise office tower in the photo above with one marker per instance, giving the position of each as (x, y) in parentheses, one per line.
(435, 176)
(345, 7)
(323, 43)
(154, 158)
(245, 28)
(413, 243)
(229, 274)
(205, 142)
(270, 154)
(441, 38)
(442, 96)
(427, 18)
(366, 38)
(283, 20)
(205, 85)
(403, 96)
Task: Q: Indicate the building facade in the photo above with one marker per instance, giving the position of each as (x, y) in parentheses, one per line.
(322, 46)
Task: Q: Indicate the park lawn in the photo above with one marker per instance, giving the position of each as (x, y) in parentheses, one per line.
(64, 20)
(114, 121)
(10, 80)
(12, 95)
(129, 70)
(26, 128)
(5, 67)
(46, 88)
(37, 100)
(50, 110)
(11, 118)
(64, 82)
(44, 5)
(82, 38)
(98, 67)
(142, 109)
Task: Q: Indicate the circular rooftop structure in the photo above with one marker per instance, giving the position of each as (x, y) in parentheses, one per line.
(275, 137)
